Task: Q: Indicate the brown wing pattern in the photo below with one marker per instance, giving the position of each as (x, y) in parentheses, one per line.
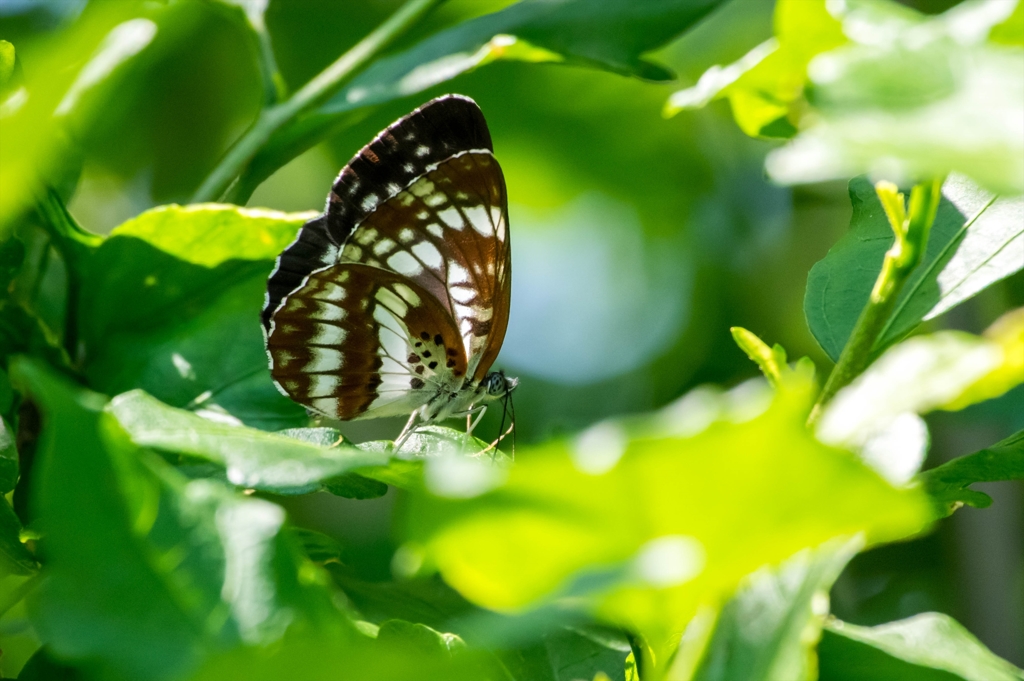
(438, 130)
(357, 341)
(448, 232)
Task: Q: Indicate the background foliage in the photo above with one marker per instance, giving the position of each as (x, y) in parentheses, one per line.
(670, 512)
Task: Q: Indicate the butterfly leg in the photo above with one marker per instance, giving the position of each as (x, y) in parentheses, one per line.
(407, 431)
(471, 426)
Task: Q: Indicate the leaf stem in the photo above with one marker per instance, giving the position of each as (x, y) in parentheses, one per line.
(322, 86)
(75, 244)
(911, 228)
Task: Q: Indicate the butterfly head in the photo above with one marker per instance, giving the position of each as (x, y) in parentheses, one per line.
(499, 385)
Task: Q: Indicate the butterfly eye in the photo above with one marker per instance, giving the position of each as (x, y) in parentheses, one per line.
(497, 384)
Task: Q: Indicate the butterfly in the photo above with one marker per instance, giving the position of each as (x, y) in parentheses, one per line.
(395, 300)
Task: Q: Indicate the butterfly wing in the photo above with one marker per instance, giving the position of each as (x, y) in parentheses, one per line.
(357, 341)
(423, 206)
(448, 232)
(398, 156)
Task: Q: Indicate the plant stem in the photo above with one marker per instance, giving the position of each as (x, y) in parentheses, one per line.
(322, 86)
(907, 250)
(75, 245)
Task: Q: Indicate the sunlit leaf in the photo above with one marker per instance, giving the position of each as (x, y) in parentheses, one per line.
(913, 98)
(171, 304)
(877, 414)
(766, 82)
(975, 241)
(252, 458)
(930, 647)
(949, 483)
(1007, 334)
(644, 528)
(101, 46)
(770, 628)
(148, 572)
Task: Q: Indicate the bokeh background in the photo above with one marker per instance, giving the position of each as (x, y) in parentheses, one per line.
(637, 242)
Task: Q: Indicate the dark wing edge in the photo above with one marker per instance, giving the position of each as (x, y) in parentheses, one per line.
(396, 158)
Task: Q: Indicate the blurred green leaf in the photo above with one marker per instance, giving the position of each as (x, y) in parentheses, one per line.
(877, 413)
(411, 639)
(770, 628)
(171, 304)
(68, 84)
(610, 34)
(42, 667)
(1006, 334)
(768, 81)
(912, 98)
(1011, 31)
(7, 62)
(644, 529)
(254, 11)
(949, 483)
(22, 331)
(927, 647)
(975, 241)
(14, 556)
(318, 547)
(148, 572)
(252, 458)
(12, 255)
(8, 457)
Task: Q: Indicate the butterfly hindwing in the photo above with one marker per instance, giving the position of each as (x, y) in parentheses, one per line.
(448, 232)
(358, 341)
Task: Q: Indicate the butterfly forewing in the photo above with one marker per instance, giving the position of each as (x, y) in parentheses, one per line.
(396, 157)
(360, 341)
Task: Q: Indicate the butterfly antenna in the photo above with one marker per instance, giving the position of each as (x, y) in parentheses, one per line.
(513, 426)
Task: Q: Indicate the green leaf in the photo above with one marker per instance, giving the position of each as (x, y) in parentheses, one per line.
(876, 414)
(770, 628)
(171, 305)
(42, 667)
(642, 528)
(974, 243)
(65, 91)
(14, 556)
(900, 107)
(12, 255)
(768, 81)
(610, 34)
(21, 331)
(949, 483)
(318, 547)
(8, 457)
(927, 647)
(7, 61)
(147, 572)
(348, 485)
(252, 458)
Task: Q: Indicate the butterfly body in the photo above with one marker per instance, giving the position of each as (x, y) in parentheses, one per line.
(395, 300)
